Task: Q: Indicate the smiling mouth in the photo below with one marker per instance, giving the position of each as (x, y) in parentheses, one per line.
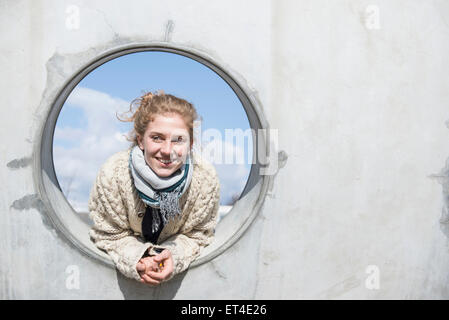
(164, 161)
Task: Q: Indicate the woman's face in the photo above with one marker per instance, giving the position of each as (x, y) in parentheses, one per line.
(165, 143)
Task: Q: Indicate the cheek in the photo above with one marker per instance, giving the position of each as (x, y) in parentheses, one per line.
(181, 150)
(151, 148)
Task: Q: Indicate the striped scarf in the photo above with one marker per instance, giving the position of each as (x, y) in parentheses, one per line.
(159, 192)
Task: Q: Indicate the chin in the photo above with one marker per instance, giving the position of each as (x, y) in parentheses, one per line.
(165, 172)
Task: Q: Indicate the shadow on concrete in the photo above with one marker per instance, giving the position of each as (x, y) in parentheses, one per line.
(133, 290)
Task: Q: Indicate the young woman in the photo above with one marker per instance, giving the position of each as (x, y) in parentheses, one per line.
(155, 205)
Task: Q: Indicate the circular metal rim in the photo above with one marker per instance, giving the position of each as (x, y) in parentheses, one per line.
(248, 99)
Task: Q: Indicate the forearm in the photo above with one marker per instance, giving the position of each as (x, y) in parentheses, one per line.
(186, 248)
(125, 251)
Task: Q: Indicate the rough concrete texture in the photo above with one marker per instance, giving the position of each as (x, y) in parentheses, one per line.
(359, 92)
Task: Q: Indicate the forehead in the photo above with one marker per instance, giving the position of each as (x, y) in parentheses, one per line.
(167, 124)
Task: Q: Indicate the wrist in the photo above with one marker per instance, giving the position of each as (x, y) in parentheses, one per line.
(152, 251)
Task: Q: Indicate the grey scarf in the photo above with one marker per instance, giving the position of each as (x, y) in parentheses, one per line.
(159, 192)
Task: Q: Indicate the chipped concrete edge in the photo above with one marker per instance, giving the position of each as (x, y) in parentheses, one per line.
(59, 82)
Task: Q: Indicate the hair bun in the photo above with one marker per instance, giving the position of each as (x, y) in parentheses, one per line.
(147, 97)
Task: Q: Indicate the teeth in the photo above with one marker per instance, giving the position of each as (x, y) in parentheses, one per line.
(164, 161)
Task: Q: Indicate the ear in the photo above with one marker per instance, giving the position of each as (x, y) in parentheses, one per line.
(139, 142)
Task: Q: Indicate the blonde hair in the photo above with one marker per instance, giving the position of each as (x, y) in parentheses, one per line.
(159, 103)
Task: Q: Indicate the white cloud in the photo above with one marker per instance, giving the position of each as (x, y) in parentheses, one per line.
(77, 167)
(233, 176)
(68, 133)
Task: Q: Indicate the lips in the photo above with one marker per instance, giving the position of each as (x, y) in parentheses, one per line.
(164, 162)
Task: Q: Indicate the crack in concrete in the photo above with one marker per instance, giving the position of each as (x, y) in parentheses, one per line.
(169, 30)
(33, 201)
(217, 271)
(282, 158)
(341, 288)
(443, 179)
(281, 161)
(116, 35)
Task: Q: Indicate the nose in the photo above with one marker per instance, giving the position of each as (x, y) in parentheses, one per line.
(166, 148)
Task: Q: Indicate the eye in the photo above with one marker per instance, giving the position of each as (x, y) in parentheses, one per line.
(156, 138)
(180, 139)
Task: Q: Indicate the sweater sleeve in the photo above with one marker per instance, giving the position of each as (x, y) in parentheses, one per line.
(186, 245)
(111, 231)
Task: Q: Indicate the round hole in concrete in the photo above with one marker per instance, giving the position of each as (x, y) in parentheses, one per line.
(87, 131)
(67, 220)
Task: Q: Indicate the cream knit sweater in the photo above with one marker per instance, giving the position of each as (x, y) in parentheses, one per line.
(117, 212)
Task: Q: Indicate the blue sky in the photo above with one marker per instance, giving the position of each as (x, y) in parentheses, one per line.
(128, 76)
(87, 132)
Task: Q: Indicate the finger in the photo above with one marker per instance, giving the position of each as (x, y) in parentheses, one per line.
(158, 266)
(150, 280)
(169, 264)
(162, 256)
(158, 258)
(140, 266)
(153, 266)
(164, 274)
(150, 264)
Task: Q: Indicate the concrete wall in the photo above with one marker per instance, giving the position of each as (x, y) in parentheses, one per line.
(359, 93)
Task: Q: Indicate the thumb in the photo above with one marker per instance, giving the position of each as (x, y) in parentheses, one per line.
(140, 266)
(158, 258)
(161, 256)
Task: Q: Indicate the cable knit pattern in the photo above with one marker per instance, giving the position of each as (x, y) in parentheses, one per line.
(114, 206)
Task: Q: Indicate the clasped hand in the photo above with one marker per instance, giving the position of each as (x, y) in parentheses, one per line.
(153, 270)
